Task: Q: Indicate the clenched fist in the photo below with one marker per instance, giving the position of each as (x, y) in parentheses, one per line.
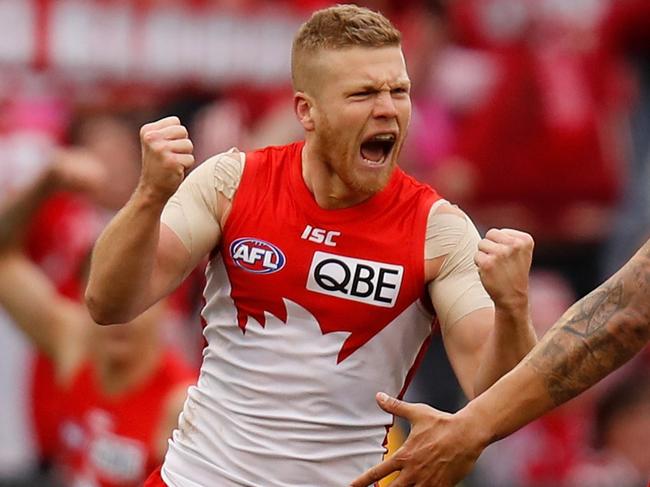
(166, 157)
(77, 170)
(503, 259)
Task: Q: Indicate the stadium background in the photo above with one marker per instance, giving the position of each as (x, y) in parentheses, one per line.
(532, 114)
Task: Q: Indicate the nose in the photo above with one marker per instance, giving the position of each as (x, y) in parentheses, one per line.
(384, 105)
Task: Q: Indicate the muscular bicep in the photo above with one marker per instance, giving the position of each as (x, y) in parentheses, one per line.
(192, 216)
(463, 307)
(454, 283)
(464, 342)
(172, 264)
(191, 221)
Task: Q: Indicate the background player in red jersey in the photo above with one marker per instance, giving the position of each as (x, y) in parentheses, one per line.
(597, 335)
(119, 390)
(352, 100)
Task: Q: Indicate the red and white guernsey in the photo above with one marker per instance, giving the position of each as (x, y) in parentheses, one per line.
(309, 313)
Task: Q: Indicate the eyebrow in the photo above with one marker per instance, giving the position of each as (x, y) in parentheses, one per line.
(370, 86)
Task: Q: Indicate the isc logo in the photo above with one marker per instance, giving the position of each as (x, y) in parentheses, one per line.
(258, 256)
(319, 235)
(360, 280)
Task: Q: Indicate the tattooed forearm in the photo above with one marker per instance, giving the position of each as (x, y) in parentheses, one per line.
(595, 311)
(597, 334)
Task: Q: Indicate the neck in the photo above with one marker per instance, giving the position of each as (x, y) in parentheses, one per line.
(329, 190)
(117, 376)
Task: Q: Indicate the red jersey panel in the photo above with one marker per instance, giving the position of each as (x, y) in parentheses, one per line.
(309, 313)
(364, 263)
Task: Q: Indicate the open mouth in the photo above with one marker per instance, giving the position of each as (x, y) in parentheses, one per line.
(375, 149)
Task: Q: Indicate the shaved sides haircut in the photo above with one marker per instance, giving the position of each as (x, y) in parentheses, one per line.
(338, 27)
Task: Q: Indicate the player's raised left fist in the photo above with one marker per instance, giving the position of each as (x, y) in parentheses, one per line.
(166, 157)
(503, 259)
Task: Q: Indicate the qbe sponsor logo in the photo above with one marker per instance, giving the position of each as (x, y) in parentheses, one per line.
(257, 256)
(365, 281)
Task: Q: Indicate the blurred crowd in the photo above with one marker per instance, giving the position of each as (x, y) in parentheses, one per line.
(529, 114)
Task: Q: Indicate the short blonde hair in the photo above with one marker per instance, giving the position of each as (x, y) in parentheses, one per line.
(339, 27)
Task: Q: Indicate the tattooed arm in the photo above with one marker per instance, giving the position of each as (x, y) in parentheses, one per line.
(594, 337)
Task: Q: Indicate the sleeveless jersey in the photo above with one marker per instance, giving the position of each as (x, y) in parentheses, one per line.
(309, 313)
(107, 441)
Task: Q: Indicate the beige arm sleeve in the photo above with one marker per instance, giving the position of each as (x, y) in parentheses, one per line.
(192, 213)
(457, 290)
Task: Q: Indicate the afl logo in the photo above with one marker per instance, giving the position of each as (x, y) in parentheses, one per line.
(257, 256)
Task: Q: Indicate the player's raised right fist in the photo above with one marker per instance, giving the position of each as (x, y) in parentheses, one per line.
(166, 157)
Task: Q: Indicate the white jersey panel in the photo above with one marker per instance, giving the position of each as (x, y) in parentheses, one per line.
(272, 406)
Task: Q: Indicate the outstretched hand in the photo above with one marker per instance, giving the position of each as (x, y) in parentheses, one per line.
(440, 450)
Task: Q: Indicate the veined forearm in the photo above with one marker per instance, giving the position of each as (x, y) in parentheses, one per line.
(511, 339)
(130, 269)
(597, 334)
(123, 260)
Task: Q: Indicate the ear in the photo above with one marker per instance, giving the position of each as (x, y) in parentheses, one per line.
(304, 107)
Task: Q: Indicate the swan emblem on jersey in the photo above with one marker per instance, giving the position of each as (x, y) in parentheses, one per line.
(250, 321)
(257, 256)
